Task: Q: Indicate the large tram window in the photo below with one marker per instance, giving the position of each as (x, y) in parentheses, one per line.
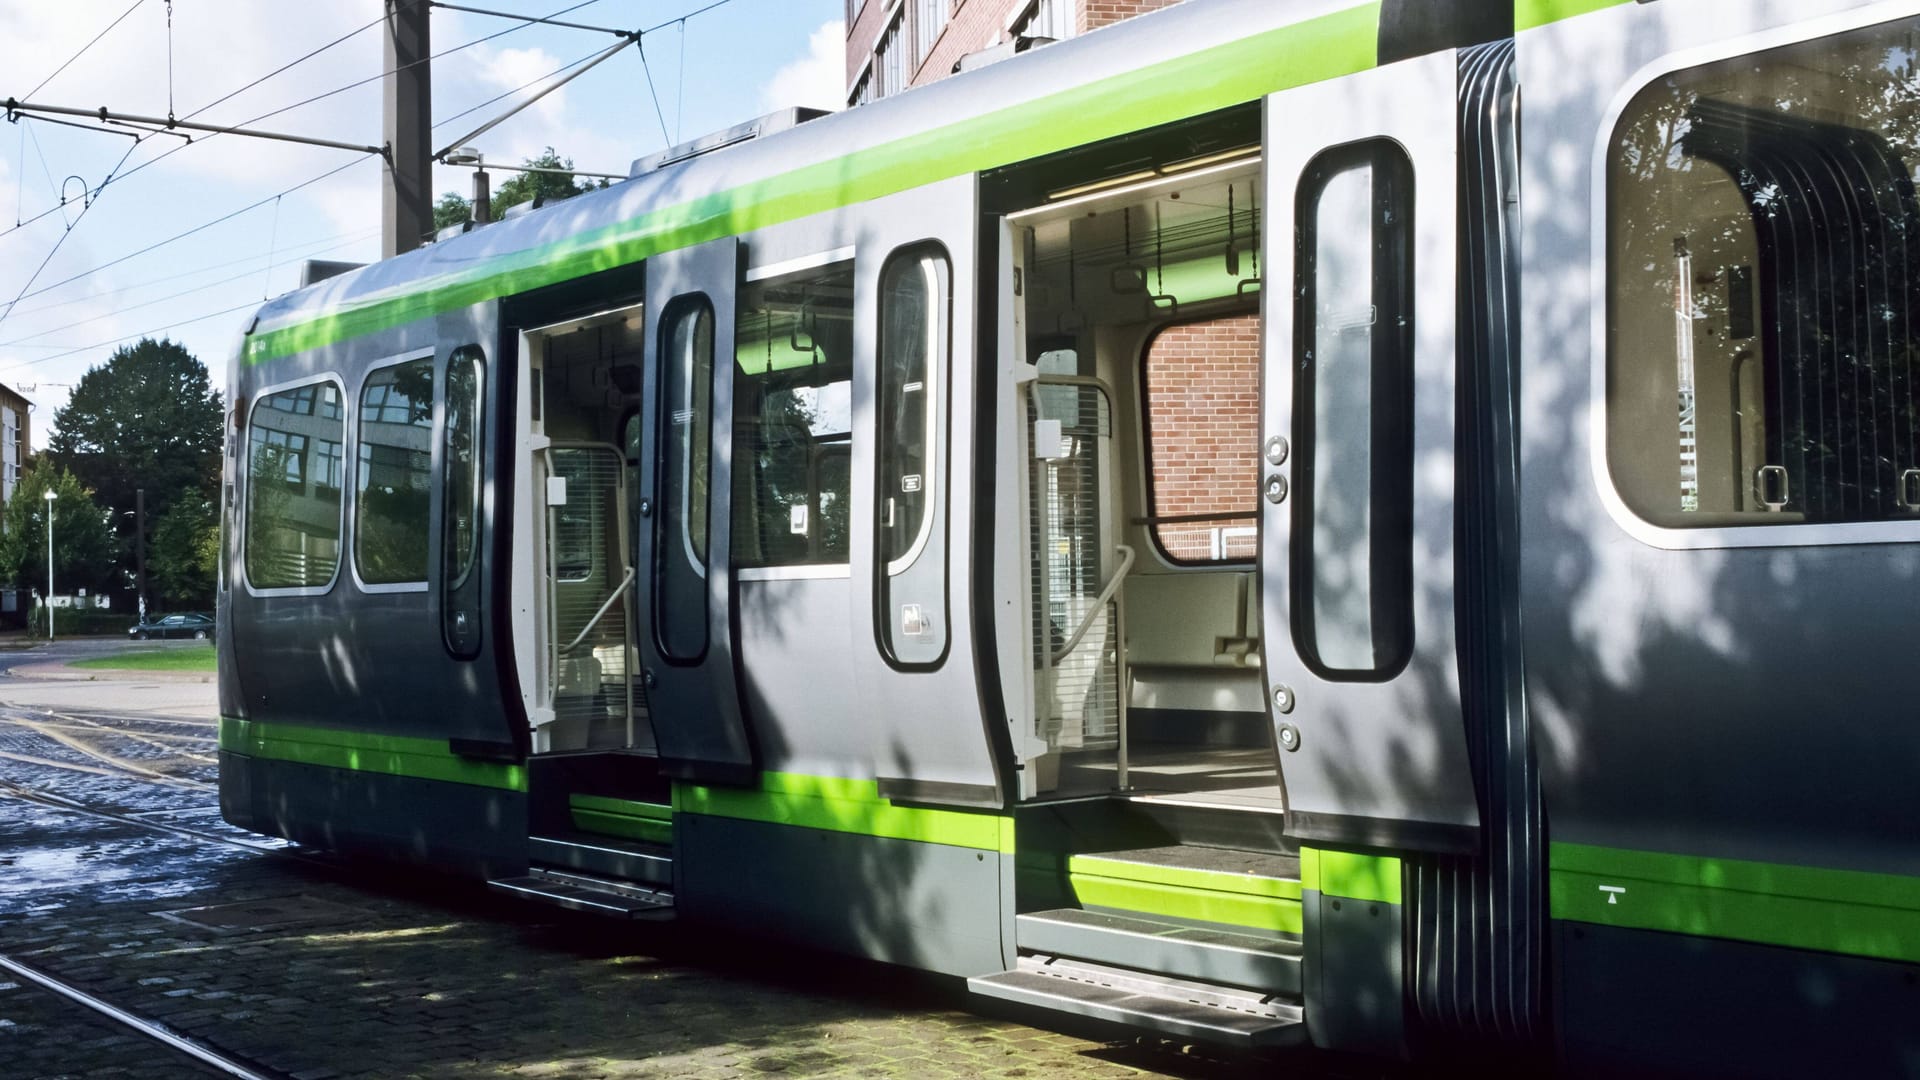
(390, 544)
(915, 305)
(686, 419)
(292, 529)
(1353, 499)
(1763, 289)
(1202, 406)
(793, 415)
(461, 494)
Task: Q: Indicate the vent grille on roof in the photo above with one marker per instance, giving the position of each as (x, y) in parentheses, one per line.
(720, 140)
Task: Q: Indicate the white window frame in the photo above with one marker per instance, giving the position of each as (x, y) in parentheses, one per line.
(245, 494)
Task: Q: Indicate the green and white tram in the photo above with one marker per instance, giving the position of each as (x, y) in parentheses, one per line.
(1233, 525)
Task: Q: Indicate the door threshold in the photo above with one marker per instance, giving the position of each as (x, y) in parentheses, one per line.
(1212, 800)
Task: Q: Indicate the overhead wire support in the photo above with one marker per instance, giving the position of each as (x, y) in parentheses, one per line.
(600, 58)
(545, 21)
(168, 123)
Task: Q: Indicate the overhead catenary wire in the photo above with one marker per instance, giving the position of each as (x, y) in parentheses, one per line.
(83, 49)
(57, 244)
(647, 70)
(148, 332)
(189, 232)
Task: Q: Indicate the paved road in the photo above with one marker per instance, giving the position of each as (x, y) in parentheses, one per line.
(117, 876)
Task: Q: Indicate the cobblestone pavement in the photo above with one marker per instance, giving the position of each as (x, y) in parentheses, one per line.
(315, 969)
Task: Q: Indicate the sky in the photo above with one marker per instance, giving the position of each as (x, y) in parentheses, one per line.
(80, 279)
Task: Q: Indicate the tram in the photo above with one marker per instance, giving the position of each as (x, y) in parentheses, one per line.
(1234, 525)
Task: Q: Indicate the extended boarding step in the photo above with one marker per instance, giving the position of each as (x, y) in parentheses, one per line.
(1245, 959)
(585, 892)
(605, 856)
(1176, 1007)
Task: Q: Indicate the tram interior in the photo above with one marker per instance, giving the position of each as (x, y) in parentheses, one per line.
(1141, 313)
(587, 405)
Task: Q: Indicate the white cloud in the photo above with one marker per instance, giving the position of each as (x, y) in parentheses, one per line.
(818, 79)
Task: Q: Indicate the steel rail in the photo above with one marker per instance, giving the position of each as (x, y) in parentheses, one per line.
(152, 1029)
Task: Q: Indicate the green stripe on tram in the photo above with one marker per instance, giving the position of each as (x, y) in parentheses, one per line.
(1528, 14)
(1325, 47)
(836, 804)
(360, 751)
(1802, 907)
(1350, 875)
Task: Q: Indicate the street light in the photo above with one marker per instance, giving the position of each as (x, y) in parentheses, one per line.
(51, 495)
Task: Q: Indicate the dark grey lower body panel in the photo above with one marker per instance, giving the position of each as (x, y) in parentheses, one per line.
(923, 905)
(461, 828)
(1641, 1002)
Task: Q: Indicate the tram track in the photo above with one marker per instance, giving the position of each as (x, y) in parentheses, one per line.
(143, 1026)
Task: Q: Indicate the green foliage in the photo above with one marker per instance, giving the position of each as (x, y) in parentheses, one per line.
(78, 622)
(451, 210)
(553, 186)
(182, 554)
(84, 549)
(149, 419)
(179, 658)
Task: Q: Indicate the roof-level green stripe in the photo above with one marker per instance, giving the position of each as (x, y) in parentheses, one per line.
(1325, 47)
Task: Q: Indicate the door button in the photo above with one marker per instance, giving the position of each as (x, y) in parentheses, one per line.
(1276, 489)
(1277, 451)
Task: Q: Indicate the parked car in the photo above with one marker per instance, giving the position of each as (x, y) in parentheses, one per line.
(190, 625)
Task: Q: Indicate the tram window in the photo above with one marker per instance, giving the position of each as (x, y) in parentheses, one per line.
(292, 529)
(390, 544)
(915, 306)
(461, 479)
(685, 425)
(1763, 289)
(1202, 404)
(793, 417)
(1352, 536)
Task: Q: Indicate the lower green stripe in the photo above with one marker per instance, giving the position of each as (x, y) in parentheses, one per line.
(360, 751)
(843, 805)
(1350, 875)
(1528, 14)
(1840, 911)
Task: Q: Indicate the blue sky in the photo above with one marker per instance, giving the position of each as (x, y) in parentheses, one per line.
(741, 59)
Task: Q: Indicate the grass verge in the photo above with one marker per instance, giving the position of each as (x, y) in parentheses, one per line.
(186, 658)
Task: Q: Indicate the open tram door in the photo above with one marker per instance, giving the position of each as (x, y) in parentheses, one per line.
(684, 543)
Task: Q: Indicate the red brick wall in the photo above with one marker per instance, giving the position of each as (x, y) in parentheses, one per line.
(1094, 14)
(1203, 424)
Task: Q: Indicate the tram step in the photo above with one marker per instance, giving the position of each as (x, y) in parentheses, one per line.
(628, 860)
(1240, 891)
(1250, 959)
(584, 892)
(1176, 1007)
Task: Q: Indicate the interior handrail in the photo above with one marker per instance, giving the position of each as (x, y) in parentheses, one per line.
(595, 621)
(1106, 596)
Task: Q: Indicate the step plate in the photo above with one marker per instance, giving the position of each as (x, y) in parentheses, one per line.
(1267, 963)
(581, 893)
(1172, 1007)
(605, 857)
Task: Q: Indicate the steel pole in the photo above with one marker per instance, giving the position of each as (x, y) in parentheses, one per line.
(407, 96)
(49, 571)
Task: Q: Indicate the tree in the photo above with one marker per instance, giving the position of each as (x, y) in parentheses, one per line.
(84, 550)
(184, 553)
(451, 210)
(552, 186)
(147, 418)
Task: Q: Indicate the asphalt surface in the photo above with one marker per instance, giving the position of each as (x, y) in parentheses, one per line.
(118, 878)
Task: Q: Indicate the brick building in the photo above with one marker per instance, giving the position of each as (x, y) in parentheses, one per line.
(893, 45)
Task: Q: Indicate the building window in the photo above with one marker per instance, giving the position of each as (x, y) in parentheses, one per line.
(391, 502)
(1044, 19)
(1763, 288)
(1202, 405)
(929, 19)
(1352, 535)
(889, 72)
(292, 532)
(793, 419)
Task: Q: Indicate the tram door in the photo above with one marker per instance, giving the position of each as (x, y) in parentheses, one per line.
(682, 533)
(1357, 524)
